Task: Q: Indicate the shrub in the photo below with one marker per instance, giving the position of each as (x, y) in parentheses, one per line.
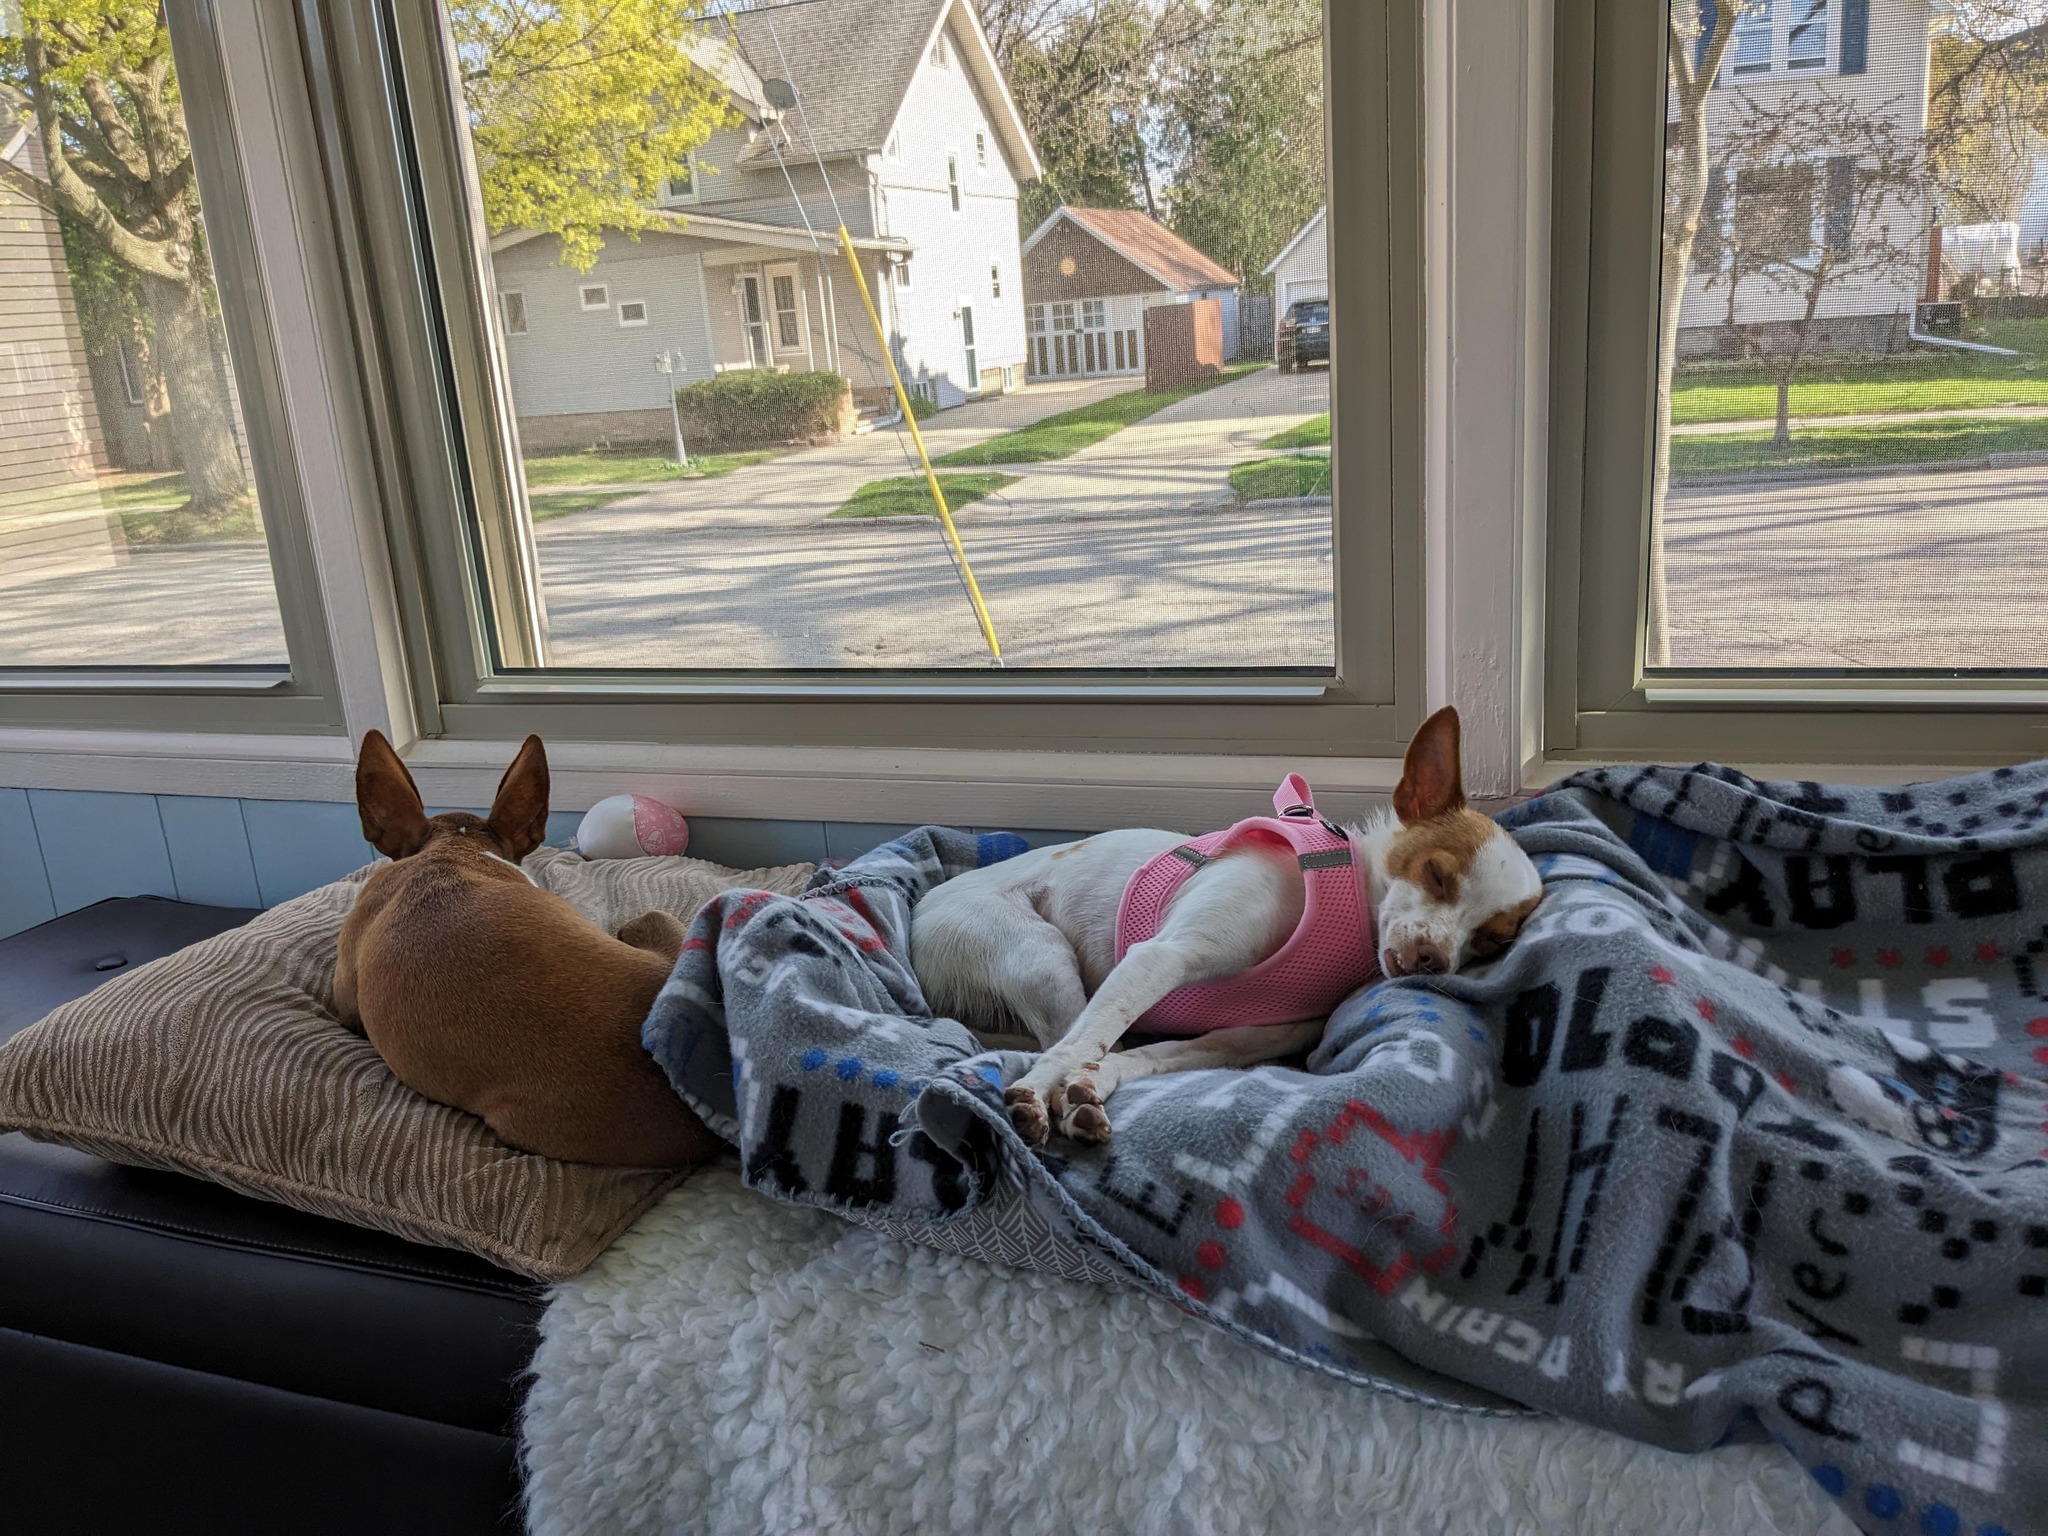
(923, 407)
(751, 408)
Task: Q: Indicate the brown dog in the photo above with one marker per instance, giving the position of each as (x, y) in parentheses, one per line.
(481, 990)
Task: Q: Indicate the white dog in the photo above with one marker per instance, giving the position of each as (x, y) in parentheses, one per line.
(1243, 941)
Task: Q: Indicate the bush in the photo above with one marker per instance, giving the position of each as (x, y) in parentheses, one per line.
(752, 408)
(923, 407)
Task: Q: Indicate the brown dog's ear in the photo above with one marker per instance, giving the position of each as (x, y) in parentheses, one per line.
(519, 814)
(394, 820)
(1431, 783)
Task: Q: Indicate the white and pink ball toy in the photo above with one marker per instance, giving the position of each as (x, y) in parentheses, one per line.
(631, 827)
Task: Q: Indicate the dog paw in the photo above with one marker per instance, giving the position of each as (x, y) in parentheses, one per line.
(1028, 1116)
(1079, 1111)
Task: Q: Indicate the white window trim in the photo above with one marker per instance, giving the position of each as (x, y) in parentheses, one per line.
(524, 313)
(995, 279)
(956, 184)
(604, 297)
(892, 150)
(899, 273)
(981, 149)
(633, 325)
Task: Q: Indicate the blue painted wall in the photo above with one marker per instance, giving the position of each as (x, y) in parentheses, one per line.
(65, 849)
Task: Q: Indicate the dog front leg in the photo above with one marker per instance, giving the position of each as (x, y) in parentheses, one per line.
(1060, 1088)
(1244, 1046)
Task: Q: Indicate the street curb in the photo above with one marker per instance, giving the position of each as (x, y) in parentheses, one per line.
(1872, 472)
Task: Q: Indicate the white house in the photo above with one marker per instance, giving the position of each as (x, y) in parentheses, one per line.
(1302, 269)
(1089, 276)
(1870, 56)
(904, 128)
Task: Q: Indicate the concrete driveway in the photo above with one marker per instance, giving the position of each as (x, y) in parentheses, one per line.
(1179, 459)
(1910, 570)
(803, 486)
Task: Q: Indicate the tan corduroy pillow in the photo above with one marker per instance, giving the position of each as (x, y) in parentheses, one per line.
(227, 1061)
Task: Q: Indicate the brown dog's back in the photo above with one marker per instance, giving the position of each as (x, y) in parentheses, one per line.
(482, 991)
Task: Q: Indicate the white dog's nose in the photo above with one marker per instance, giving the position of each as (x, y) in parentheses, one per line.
(1416, 957)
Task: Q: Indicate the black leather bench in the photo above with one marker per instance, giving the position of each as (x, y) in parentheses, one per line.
(175, 1357)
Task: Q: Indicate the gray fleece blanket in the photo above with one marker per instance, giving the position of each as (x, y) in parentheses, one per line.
(1743, 1137)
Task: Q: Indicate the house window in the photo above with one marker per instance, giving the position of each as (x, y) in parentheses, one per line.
(953, 180)
(940, 57)
(512, 309)
(902, 270)
(995, 279)
(981, 149)
(893, 150)
(632, 312)
(596, 296)
(1806, 44)
(1750, 51)
(681, 186)
(789, 335)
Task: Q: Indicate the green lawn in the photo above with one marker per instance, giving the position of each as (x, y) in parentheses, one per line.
(119, 492)
(1896, 442)
(1057, 436)
(594, 467)
(174, 525)
(908, 496)
(549, 505)
(1302, 474)
(1925, 380)
(1313, 433)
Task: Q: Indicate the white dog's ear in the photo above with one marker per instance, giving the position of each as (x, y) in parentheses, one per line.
(1431, 783)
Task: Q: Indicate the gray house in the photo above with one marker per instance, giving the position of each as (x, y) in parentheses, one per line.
(922, 151)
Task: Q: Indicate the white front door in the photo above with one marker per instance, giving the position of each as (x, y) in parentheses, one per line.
(754, 320)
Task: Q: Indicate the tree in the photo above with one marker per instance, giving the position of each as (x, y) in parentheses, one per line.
(1245, 113)
(579, 110)
(1086, 76)
(1827, 192)
(99, 77)
(1987, 106)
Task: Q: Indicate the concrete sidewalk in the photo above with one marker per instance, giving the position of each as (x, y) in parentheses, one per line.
(798, 488)
(1179, 460)
(1865, 419)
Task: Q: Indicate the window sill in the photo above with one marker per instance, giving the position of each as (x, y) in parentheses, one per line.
(1080, 790)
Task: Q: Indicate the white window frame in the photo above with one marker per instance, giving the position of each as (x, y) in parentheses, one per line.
(505, 296)
(956, 190)
(941, 56)
(995, 277)
(626, 324)
(798, 309)
(892, 151)
(671, 198)
(899, 272)
(603, 301)
(981, 149)
(1814, 64)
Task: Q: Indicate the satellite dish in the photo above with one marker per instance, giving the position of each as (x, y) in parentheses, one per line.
(780, 93)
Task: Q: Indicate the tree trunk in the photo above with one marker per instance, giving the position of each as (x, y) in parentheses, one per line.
(1781, 436)
(202, 417)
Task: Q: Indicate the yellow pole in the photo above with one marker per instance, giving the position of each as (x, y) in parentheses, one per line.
(931, 478)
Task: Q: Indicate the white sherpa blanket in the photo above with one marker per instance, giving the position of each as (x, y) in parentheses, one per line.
(735, 1365)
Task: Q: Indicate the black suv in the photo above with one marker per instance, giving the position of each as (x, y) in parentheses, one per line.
(1304, 334)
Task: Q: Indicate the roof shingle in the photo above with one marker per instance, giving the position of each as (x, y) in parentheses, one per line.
(850, 60)
(1154, 247)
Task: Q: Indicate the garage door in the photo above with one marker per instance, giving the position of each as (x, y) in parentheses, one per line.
(1304, 288)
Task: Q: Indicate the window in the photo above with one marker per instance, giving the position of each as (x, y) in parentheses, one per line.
(1754, 37)
(789, 330)
(1806, 45)
(681, 186)
(632, 312)
(893, 150)
(768, 634)
(155, 566)
(512, 311)
(595, 296)
(981, 149)
(1765, 506)
(939, 54)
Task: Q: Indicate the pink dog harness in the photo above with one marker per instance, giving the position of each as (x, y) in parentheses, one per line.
(1329, 955)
